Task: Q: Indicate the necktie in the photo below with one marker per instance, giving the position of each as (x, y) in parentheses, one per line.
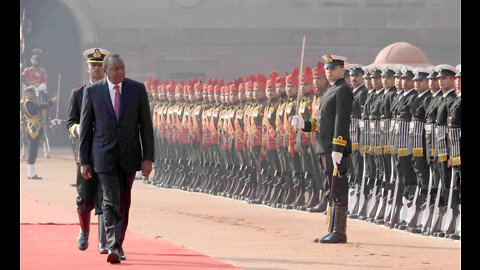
(116, 106)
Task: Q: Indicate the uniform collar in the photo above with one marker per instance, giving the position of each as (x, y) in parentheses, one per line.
(448, 92)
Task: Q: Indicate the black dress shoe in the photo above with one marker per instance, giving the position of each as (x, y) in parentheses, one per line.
(316, 240)
(113, 256)
(122, 255)
(35, 177)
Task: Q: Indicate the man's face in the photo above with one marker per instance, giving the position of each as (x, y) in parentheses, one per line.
(356, 80)
(291, 90)
(171, 96)
(458, 84)
(271, 93)
(320, 82)
(334, 73)
(421, 85)
(233, 97)
(248, 93)
(387, 81)
(377, 82)
(306, 88)
(398, 83)
(241, 95)
(115, 70)
(446, 82)
(96, 71)
(280, 89)
(34, 61)
(258, 94)
(433, 85)
(368, 83)
(407, 83)
(199, 94)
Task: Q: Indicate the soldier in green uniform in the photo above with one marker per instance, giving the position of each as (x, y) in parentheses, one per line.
(320, 84)
(335, 145)
(303, 139)
(279, 191)
(294, 163)
(269, 141)
(256, 135)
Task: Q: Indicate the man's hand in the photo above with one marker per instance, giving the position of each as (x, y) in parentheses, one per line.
(146, 167)
(86, 171)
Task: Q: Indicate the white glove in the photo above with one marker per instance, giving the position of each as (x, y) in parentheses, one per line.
(42, 87)
(297, 122)
(336, 157)
(77, 129)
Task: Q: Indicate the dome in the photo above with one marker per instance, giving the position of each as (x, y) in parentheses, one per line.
(402, 53)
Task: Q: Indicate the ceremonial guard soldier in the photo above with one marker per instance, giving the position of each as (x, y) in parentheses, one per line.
(406, 175)
(294, 162)
(454, 135)
(446, 82)
(335, 145)
(269, 142)
(284, 172)
(303, 140)
(393, 143)
(359, 98)
(320, 84)
(31, 110)
(89, 192)
(416, 145)
(256, 135)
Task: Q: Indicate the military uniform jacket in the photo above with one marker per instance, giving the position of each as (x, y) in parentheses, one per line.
(454, 130)
(279, 125)
(74, 110)
(33, 116)
(364, 125)
(416, 130)
(334, 119)
(269, 126)
(374, 121)
(431, 108)
(239, 127)
(385, 119)
(402, 123)
(305, 111)
(393, 113)
(256, 120)
(316, 103)
(359, 98)
(290, 134)
(441, 129)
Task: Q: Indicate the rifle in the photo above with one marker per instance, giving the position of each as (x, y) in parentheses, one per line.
(356, 198)
(426, 210)
(437, 213)
(449, 218)
(330, 215)
(390, 186)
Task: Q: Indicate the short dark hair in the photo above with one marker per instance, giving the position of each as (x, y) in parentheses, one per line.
(107, 58)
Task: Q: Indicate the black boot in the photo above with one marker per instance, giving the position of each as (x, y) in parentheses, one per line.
(102, 238)
(84, 219)
(339, 234)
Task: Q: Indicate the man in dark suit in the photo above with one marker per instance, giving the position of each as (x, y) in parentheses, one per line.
(334, 143)
(116, 137)
(89, 193)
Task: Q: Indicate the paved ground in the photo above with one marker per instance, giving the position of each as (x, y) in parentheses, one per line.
(248, 236)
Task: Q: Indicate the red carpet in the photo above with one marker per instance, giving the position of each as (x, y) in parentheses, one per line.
(46, 243)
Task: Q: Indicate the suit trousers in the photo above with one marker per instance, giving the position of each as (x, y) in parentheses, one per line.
(116, 186)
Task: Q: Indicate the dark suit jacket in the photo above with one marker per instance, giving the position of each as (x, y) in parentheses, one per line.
(125, 142)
